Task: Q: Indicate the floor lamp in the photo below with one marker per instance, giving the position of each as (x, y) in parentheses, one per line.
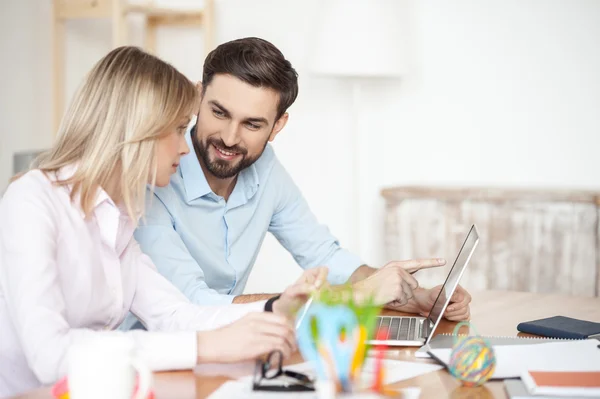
(357, 40)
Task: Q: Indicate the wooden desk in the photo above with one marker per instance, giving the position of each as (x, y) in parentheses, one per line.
(493, 313)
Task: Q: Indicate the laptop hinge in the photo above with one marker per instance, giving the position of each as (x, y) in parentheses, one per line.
(426, 328)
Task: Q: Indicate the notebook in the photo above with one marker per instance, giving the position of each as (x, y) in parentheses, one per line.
(561, 327)
(515, 389)
(554, 383)
(513, 360)
(442, 341)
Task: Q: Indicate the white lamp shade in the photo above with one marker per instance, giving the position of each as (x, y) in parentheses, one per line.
(357, 38)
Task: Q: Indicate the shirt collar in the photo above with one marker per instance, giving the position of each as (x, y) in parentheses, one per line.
(251, 181)
(195, 182)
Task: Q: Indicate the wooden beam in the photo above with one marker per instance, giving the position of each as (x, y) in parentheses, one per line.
(179, 20)
(155, 11)
(119, 24)
(65, 9)
(150, 35)
(208, 28)
(489, 194)
(58, 54)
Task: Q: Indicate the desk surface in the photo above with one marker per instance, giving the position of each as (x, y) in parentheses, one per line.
(492, 313)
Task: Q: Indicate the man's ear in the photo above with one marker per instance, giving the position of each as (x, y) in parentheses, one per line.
(199, 86)
(280, 124)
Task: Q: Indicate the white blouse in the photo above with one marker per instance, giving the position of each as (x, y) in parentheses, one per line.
(64, 277)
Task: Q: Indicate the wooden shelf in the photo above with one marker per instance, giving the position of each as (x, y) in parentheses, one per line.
(159, 11)
(117, 11)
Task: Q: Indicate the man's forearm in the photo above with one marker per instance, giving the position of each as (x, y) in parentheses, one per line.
(365, 271)
(252, 298)
(361, 273)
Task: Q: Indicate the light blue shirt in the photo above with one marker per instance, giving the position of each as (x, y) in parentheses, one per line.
(207, 246)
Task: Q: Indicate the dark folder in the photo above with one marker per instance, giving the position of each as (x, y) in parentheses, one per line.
(561, 327)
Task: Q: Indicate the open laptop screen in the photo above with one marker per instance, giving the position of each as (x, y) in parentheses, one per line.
(439, 306)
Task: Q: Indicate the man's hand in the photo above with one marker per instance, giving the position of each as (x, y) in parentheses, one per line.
(394, 282)
(292, 299)
(458, 309)
(251, 336)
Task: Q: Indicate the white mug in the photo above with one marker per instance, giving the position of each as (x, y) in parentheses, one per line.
(105, 367)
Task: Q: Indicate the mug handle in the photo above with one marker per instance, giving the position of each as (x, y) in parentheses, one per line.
(144, 384)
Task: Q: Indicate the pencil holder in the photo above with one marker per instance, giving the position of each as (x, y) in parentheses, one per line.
(332, 336)
(472, 360)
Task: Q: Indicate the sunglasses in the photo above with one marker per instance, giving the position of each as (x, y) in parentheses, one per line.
(268, 371)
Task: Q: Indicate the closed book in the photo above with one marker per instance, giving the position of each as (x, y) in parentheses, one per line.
(561, 327)
(585, 384)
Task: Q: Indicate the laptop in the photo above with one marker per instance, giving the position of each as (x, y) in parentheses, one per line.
(418, 331)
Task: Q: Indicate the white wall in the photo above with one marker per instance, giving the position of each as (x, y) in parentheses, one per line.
(24, 79)
(496, 93)
(499, 93)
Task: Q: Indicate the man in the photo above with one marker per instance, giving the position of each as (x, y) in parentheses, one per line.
(205, 229)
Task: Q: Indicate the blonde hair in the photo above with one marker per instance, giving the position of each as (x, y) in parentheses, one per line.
(127, 101)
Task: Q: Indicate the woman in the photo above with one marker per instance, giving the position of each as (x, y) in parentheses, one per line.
(69, 267)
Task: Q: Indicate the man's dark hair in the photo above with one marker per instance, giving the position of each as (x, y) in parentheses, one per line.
(256, 62)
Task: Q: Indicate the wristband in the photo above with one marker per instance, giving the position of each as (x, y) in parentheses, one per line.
(269, 304)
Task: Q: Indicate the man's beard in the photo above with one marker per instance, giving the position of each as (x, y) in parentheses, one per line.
(221, 168)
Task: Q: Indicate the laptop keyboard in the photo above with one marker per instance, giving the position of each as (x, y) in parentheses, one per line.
(399, 328)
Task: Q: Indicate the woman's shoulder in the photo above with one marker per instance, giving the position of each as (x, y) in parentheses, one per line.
(34, 179)
(34, 185)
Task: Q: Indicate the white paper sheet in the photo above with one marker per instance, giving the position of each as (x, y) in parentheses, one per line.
(398, 370)
(395, 370)
(512, 361)
(242, 390)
